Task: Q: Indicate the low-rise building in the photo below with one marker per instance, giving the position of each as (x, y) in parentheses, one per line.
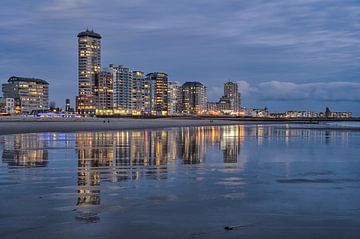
(28, 93)
(301, 114)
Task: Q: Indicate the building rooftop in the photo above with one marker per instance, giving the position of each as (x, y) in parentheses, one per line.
(192, 83)
(89, 33)
(27, 79)
(161, 74)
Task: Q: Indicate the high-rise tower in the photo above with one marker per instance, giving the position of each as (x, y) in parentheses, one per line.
(89, 66)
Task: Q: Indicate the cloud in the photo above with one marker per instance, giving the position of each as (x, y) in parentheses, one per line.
(204, 40)
(64, 5)
(289, 91)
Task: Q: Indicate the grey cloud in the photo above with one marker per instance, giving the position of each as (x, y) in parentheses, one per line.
(202, 40)
(317, 91)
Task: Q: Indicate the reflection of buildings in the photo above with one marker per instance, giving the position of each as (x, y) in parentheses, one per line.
(232, 137)
(228, 139)
(116, 156)
(151, 154)
(191, 145)
(95, 150)
(27, 150)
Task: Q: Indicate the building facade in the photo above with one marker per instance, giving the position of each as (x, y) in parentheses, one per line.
(138, 93)
(149, 96)
(229, 103)
(104, 93)
(7, 106)
(28, 93)
(89, 56)
(67, 105)
(122, 84)
(194, 98)
(231, 93)
(175, 98)
(160, 94)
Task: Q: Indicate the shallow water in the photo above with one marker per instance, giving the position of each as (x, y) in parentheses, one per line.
(258, 181)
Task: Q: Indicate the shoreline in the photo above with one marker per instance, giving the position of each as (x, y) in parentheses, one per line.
(37, 125)
(96, 124)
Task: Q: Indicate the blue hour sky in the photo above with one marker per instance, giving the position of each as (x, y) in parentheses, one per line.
(285, 54)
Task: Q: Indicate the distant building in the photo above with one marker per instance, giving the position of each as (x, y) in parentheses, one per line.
(261, 113)
(67, 105)
(231, 93)
(329, 114)
(301, 114)
(7, 106)
(212, 106)
(221, 107)
(194, 98)
(229, 103)
(28, 93)
(104, 92)
(89, 54)
(161, 100)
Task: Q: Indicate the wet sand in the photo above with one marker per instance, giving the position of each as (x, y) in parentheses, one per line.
(33, 125)
(245, 181)
(16, 125)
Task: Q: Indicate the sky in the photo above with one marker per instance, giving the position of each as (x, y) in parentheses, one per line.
(285, 54)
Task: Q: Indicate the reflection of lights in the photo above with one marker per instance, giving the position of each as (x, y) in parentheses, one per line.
(260, 134)
(230, 131)
(28, 150)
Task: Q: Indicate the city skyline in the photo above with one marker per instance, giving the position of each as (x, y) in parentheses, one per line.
(313, 67)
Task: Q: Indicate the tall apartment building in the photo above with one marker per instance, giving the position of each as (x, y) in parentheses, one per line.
(104, 92)
(122, 83)
(161, 100)
(149, 96)
(194, 98)
(29, 93)
(89, 54)
(138, 92)
(175, 99)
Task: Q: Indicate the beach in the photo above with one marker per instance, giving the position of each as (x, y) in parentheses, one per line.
(16, 125)
(35, 125)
